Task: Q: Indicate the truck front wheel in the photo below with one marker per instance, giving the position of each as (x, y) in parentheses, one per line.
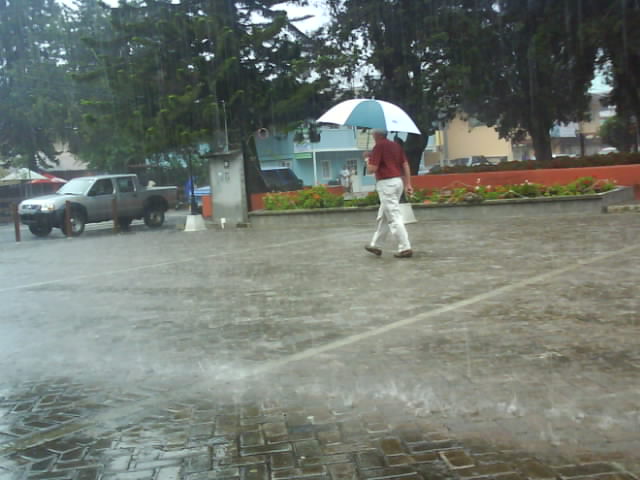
(154, 216)
(77, 222)
(39, 230)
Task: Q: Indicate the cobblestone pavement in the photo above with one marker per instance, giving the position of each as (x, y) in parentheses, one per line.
(504, 349)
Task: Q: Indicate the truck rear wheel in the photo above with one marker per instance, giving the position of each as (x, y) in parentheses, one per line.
(154, 216)
(39, 230)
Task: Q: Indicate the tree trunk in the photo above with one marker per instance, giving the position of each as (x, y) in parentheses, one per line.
(32, 162)
(253, 179)
(541, 141)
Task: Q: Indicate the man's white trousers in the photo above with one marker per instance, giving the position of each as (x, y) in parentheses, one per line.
(389, 217)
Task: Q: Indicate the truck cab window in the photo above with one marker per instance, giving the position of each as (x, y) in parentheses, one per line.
(125, 185)
(102, 187)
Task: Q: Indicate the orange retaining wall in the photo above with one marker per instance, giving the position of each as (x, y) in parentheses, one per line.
(257, 199)
(207, 209)
(623, 175)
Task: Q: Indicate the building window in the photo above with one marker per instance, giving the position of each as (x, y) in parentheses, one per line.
(352, 164)
(326, 168)
(285, 164)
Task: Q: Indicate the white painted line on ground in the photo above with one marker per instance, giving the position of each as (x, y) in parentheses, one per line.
(497, 292)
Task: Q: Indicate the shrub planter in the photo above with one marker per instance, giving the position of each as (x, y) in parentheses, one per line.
(623, 175)
(516, 207)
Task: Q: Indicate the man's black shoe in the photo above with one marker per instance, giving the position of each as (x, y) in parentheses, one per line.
(375, 250)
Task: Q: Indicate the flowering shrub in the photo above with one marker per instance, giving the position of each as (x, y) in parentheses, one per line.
(320, 197)
(419, 196)
(316, 197)
(279, 201)
(370, 200)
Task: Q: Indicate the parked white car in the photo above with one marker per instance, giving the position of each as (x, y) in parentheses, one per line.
(607, 150)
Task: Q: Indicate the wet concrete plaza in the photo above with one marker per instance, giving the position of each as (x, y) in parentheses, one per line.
(504, 349)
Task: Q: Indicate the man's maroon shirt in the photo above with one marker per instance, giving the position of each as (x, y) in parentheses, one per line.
(389, 157)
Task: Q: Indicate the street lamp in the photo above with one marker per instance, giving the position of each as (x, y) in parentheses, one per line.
(226, 132)
(193, 203)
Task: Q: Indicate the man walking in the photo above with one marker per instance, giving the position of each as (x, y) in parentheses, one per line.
(390, 165)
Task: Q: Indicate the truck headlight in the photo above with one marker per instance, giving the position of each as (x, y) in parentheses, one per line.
(47, 207)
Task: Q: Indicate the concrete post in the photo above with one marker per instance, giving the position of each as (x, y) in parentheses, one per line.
(16, 220)
(114, 214)
(228, 189)
(67, 219)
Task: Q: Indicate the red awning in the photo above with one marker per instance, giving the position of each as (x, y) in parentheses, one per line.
(50, 179)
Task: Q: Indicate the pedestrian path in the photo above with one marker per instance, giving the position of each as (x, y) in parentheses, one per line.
(505, 349)
(199, 439)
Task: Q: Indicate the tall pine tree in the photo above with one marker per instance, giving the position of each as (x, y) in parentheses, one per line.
(32, 81)
(170, 66)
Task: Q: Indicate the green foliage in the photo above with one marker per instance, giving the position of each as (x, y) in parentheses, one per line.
(581, 186)
(145, 80)
(531, 66)
(394, 39)
(33, 83)
(558, 162)
(518, 67)
(418, 196)
(434, 197)
(613, 26)
(316, 197)
(618, 132)
(528, 189)
(167, 67)
(370, 200)
(279, 201)
(320, 197)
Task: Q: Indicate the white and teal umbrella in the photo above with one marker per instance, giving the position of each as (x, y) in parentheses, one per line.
(365, 113)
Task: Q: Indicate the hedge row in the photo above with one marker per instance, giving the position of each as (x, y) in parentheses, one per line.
(320, 197)
(558, 162)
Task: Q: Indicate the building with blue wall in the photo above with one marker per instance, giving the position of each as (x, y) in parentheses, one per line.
(319, 163)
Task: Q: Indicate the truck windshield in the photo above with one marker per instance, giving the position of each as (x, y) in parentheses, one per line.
(77, 186)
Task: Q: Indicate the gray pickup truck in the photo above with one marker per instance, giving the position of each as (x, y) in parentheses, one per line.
(91, 201)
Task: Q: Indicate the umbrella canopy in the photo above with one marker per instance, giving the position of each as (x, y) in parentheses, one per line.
(366, 113)
(49, 179)
(22, 174)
